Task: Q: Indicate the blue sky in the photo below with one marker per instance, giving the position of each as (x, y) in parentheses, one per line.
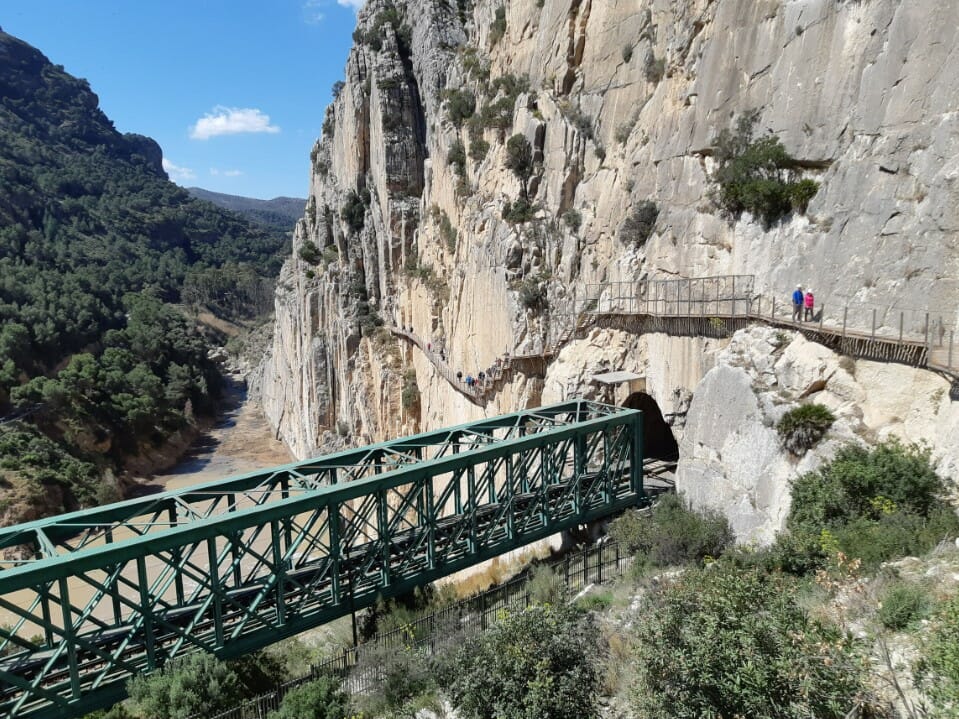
(233, 90)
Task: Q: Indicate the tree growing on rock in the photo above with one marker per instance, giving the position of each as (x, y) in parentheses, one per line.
(519, 159)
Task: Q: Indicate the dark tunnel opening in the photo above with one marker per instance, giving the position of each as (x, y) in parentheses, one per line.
(658, 440)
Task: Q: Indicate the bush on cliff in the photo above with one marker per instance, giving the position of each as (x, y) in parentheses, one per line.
(537, 663)
(727, 642)
(673, 533)
(872, 504)
(802, 427)
(758, 176)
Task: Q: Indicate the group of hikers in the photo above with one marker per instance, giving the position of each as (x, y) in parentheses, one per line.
(803, 304)
(481, 380)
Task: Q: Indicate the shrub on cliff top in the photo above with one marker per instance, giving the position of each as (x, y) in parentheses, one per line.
(802, 427)
(758, 176)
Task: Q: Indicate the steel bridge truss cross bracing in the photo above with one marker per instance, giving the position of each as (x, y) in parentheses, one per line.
(228, 567)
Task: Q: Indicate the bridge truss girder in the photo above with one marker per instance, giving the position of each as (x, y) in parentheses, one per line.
(235, 565)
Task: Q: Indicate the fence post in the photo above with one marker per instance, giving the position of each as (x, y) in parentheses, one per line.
(772, 314)
(733, 312)
(599, 566)
(845, 312)
(873, 323)
(927, 331)
(585, 567)
(566, 569)
(822, 315)
(900, 325)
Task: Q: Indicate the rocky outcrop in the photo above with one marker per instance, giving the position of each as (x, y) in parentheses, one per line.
(731, 457)
(413, 217)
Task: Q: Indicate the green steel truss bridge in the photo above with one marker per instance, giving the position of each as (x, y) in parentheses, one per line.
(92, 598)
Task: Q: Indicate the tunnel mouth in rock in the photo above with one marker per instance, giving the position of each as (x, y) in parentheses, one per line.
(658, 439)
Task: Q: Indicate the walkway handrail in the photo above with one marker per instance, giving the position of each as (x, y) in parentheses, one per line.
(732, 296)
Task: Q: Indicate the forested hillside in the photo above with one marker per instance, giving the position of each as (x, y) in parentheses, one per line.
(280, 213)
(96, 244)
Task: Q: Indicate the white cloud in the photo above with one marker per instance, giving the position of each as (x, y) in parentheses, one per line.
(225, 173)
(313, 10)
(231, 121)
(177, 173)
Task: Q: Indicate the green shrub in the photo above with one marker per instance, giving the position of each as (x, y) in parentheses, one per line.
(534, 664)
(519, 211)
(727, 642)
(639, 224)
(403, 674)
(673, 533)
(850, 485)
(655, 68)
(460, 106)
(573, 219)
(872, 504)
(456, 157)
(623, 132)
(532, 291)
(309, 252)
(478, 149)
(197, 683)
(801, 192)
(898, 534)
(902, 604)
(319, 699)
(937, 671)
(758, 176)
(353, 211)
(545, 586)
(802, 427)
(497, 28)
(519, 159)
(447, 232)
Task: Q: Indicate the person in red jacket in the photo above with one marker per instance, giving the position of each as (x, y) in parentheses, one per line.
(810, 305)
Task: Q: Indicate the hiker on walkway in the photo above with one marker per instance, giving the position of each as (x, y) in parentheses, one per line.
(798, 299)
(810, 305)
(459, 376)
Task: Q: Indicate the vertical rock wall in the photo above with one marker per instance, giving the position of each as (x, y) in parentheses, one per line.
(620, 101)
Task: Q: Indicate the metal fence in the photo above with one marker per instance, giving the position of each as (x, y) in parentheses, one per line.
(720, 296)
(359, 667)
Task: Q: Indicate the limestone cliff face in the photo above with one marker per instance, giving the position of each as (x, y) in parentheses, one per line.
(620, 101)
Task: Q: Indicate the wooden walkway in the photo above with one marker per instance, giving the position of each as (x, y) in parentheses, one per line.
(717, 307)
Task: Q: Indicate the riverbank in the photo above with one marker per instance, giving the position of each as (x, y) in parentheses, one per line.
(240, 441)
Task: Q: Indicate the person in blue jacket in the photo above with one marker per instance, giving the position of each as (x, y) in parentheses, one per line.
(798, 299)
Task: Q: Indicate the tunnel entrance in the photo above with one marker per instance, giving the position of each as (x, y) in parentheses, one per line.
(658, 440)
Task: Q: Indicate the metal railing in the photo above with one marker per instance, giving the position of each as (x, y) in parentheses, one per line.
(720, 296)
(925, 338)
